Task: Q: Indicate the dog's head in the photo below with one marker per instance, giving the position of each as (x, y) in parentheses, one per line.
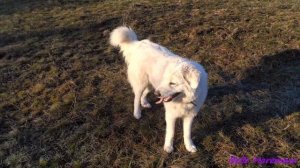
(179, 81)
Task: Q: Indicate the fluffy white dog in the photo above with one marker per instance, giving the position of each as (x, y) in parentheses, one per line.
(180, 84)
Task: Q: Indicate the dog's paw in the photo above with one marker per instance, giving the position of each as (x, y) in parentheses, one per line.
(168, 149)
(146, 104)
(191, 148)
(137, 115)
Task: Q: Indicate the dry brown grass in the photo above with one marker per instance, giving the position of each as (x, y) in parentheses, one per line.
(65, 101)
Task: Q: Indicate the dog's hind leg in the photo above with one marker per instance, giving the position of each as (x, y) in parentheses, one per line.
(137, 100)
(139, 82)
(144, 101)
(138, 89)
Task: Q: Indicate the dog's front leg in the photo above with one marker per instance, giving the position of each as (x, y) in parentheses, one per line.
(187, 126)
(170, 121)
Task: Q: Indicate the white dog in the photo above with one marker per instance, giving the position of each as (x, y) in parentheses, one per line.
(180, 84)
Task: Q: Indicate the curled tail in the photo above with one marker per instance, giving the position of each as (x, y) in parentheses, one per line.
(122, 35)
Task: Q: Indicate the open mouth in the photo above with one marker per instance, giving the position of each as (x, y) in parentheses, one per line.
(167, 99)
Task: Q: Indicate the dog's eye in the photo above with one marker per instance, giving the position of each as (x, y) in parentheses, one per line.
(172, 84)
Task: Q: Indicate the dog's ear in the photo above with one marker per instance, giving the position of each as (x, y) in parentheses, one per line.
(191, 76)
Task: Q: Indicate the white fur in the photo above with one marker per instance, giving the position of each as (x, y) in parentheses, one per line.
(153, 66)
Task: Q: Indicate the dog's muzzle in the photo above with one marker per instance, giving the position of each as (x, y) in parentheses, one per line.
(167, 99)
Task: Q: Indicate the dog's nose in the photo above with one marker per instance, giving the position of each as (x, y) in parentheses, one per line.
(157, 93)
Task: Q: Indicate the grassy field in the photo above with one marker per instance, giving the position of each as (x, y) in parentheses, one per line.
(65, 100)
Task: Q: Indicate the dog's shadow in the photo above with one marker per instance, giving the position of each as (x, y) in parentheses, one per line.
(269, 90)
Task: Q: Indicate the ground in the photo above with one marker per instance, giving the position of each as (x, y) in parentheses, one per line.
(65, 100)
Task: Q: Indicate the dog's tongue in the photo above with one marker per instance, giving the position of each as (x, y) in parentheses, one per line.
(163, 99)
(166, 99)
